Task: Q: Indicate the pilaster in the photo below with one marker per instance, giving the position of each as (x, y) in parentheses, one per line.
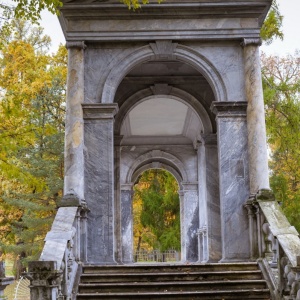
(234, 179)
(190, 223)
(99, 174)
(209, 198)
(117, 192)
(127, 222)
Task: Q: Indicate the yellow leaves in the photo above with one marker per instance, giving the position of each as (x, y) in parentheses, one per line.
(281, 80)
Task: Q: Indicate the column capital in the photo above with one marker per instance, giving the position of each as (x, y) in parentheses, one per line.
(229, 108)
(76, 44)
(209, 139)
(99, 111)
(127, 186)
(251, 41)
(189, 186)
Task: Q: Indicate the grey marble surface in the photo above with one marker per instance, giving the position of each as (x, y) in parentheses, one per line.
(74, 144)
(213, 204)
(127, 226)
(258, 153)
(61, 231)
(190, 220)
(201, 62)
(234, 186)
(287, 235)
(99, 190)
(208, 20)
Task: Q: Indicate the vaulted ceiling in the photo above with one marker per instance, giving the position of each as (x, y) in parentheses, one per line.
(158, 117)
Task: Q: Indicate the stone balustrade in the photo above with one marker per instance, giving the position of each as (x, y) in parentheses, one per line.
(277, 243)
(54, 275)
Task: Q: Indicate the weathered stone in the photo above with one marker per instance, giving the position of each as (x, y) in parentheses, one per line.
(178, 70)
(44, 280)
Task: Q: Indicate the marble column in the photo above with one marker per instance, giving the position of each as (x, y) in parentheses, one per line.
(190, 219)
(74, 137)
(127, 222)
(234, 178)
(99, 185)
(257, 145)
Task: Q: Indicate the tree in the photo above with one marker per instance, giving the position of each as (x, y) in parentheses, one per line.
(31, 9)
(281, 81)
(272, 26)
(32, 102)
(157, 193)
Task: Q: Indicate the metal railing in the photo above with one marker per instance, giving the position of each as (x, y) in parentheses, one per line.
(156, 256)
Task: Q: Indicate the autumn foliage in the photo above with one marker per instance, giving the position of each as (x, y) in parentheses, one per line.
(156, 211)
(281, 81)
(32, 106)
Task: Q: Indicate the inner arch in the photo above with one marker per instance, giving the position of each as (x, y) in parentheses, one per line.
(162, 116)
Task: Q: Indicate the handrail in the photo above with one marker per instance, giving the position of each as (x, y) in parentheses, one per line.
(274, 239)
(54, 275)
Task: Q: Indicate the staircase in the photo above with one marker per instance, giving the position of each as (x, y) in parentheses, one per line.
(176, 281)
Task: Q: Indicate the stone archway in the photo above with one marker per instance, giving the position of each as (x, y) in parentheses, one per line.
(171, 80)
(114, 55)
(158, 50)
(189, 204)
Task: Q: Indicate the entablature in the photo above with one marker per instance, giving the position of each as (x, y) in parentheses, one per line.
(207, 20)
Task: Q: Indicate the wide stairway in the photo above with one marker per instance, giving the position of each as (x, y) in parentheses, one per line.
(168, 281)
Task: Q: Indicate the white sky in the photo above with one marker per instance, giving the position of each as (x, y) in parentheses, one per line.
(291, 27)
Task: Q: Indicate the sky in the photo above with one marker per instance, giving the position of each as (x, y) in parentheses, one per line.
(291, 28)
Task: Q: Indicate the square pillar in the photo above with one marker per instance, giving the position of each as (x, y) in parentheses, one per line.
(99, 178)
(189, 211)
(209, 198)
(127, 222)
(234, 178)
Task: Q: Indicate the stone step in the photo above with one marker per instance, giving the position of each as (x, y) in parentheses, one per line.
(175, 276)
(140, 287)
(262, 294)
(248, 266)
(173, 281)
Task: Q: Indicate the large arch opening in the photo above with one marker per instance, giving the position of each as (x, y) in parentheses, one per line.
(164, 115)
(156, 217)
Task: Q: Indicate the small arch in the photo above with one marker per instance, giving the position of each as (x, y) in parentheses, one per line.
(145, 53)
(158, 156)
(158, 165)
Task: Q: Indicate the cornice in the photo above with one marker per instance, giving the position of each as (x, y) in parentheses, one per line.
(229, 109)
(99, 111)
(111, 13)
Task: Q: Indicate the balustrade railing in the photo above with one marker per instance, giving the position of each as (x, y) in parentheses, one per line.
(277, 243)
(56, 272)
